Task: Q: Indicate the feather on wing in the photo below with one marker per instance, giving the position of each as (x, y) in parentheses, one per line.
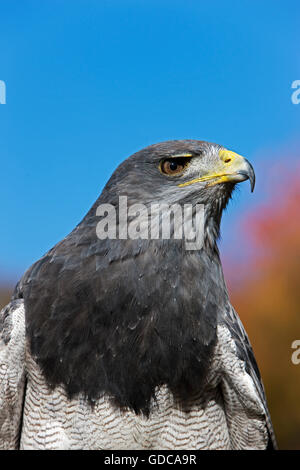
(12, 373)
(248, 417)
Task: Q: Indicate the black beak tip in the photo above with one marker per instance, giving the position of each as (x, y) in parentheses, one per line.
(252, 179)
(251, 175)
(252, 184)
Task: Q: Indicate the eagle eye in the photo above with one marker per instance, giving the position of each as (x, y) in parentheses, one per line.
(174, 166)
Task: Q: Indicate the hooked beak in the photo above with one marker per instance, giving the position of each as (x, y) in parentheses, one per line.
(231, 168)
(237, 168)
(248, 173)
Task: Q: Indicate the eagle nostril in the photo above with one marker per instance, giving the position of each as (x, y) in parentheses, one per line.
(228, 160)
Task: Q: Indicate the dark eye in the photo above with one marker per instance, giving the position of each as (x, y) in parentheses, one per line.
(174, 166)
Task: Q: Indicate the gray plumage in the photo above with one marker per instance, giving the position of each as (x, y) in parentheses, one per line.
(133, 344)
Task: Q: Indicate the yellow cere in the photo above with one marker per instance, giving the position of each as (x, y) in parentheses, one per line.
(227, 154)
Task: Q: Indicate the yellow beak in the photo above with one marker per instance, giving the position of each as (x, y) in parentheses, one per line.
(231, 168)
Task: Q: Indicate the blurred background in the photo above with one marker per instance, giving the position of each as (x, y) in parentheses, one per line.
(89, 82)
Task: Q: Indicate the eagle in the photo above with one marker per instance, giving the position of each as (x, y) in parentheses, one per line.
(125, 339)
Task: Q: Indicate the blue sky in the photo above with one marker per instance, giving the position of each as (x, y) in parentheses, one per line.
(89, 82)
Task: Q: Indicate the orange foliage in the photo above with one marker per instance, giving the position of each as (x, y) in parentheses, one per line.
(268, 302)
